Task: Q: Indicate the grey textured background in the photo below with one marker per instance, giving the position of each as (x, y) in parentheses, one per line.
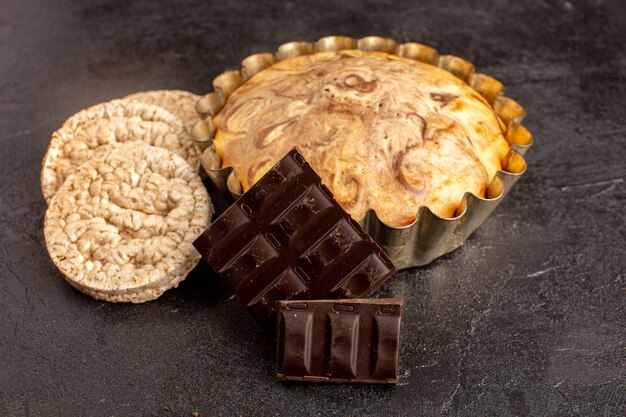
(527, 318)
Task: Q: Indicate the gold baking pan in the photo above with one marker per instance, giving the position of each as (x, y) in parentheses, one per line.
(430, 235)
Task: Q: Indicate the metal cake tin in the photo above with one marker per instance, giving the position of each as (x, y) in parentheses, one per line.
(429, 236)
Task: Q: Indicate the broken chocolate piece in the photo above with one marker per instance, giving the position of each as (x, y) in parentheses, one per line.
(287, 238)
(339, 340)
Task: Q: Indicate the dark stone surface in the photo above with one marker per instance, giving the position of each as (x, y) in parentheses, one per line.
(526, 318)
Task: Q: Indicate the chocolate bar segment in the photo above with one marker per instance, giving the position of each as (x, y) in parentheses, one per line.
(339, 340)
(287, 238)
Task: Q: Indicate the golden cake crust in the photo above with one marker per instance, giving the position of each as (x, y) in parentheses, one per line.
(383, 132)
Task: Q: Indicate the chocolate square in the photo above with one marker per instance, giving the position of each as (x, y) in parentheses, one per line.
(338, 340)
(287, 238)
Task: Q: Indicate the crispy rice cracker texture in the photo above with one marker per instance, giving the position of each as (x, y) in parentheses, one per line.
(178, 102)
(110, 123)
(121, 226)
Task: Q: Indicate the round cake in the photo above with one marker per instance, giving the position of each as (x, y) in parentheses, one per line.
(383, 132)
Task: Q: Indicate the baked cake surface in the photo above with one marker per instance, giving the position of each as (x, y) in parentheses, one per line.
(383, 132)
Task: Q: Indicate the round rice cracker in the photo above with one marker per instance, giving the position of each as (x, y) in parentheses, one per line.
(178, 102)
(117, 121)
(122, 226)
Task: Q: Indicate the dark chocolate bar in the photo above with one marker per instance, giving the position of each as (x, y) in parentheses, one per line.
(338, 340)
(287, 238)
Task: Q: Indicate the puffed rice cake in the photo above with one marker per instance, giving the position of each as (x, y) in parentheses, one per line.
(121, 226)
(178, 102)
(104, 124)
